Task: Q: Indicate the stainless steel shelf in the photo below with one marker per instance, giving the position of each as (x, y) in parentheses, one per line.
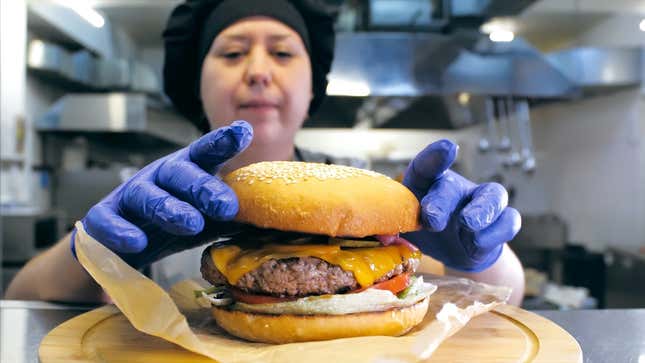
(117, 114)
(82, 71)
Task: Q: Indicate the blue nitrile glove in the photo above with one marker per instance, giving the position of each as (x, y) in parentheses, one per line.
(465, 224)
(172, 204)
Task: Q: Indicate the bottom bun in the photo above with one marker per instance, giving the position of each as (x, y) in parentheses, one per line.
(266, 328)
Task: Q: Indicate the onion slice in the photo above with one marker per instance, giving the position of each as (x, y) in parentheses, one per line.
(395, 239)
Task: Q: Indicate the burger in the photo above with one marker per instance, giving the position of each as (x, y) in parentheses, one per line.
(320, 256)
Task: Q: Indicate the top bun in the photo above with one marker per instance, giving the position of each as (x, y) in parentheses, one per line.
(317, 198)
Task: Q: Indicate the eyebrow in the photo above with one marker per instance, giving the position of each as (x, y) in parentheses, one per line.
(244, 37)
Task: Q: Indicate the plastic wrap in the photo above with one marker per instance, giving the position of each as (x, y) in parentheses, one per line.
(176, 317)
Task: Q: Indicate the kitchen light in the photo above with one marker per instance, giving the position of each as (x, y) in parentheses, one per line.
(36, 52)
(500, 29)
(463, 98)
(642, 25)
(342, 87)
(501, 36)
(85, 11)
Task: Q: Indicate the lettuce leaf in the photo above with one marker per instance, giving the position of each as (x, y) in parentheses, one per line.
(368, 300)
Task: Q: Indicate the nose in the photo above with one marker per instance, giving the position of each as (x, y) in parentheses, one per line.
(258, 72)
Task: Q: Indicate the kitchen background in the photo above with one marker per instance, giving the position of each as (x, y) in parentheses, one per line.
(545, 97)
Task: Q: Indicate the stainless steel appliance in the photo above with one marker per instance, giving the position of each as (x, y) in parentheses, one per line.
(26, 233)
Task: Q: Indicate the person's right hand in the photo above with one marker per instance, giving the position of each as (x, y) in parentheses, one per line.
(163, 208)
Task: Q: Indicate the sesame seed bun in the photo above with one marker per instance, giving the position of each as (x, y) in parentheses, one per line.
(324, 199)
(330, 200)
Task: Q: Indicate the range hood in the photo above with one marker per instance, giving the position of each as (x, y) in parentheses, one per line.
(429, 15)
(507, 69)
(421, 64)
(115, 114)
(601, 69)
(427, 73)
(426, 80)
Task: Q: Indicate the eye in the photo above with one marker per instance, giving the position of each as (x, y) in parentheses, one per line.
(232, 55)
(283, 54)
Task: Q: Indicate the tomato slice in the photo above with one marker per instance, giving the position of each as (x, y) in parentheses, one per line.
(245, 297)
(396, 284)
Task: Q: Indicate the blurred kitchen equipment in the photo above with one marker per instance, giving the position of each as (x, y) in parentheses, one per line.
(376, 111)
(535, 282)
(547, 231)
(79, 190)
(74, 156)
(568, 297)
(540, 243)
(625, 275)
(585, 268)
(27, 231)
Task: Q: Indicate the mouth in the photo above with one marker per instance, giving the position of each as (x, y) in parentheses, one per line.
(259, 105)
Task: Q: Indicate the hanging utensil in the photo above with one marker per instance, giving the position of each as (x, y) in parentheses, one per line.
(489, 133)
(514, 158)
(524, 127)
(504, 144)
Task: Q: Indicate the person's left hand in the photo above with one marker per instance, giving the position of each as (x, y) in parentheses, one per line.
(465, 224)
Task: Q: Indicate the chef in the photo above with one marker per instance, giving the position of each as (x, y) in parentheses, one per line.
(248, 73)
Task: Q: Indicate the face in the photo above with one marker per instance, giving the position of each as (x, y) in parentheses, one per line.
(258, 70)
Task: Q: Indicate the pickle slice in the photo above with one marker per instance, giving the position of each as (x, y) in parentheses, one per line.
(299, 241)
(353, 242)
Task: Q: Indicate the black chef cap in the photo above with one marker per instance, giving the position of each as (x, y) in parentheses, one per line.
(185, 39)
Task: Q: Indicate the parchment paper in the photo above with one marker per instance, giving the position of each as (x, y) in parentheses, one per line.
(177, 318)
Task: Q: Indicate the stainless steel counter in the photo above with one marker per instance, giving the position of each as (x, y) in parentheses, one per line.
(614, 335)
(604, 335)
(25, 323)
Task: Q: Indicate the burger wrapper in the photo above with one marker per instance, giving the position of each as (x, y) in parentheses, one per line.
(176, 317)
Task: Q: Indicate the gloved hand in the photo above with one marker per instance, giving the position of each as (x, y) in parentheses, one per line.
(465, 224)
(172, 204)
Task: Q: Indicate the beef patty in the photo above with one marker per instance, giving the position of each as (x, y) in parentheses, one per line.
(296, 277)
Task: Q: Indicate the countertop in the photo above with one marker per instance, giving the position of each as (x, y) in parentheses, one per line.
(604, 335)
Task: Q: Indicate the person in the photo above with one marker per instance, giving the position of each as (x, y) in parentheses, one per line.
(248, 73)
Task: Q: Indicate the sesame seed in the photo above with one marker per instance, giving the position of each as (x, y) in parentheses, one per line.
(293, 172)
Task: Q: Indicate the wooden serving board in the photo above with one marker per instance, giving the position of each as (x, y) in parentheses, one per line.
(506, 334)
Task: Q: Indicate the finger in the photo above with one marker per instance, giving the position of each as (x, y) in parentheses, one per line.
(148, 202)
(440, 203)
(113, 231)
(429, 165)
(488, 202)
(192, 184)
(501, 231)
(216, 147)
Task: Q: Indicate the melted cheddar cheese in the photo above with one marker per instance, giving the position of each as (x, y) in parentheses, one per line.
(367, 264)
